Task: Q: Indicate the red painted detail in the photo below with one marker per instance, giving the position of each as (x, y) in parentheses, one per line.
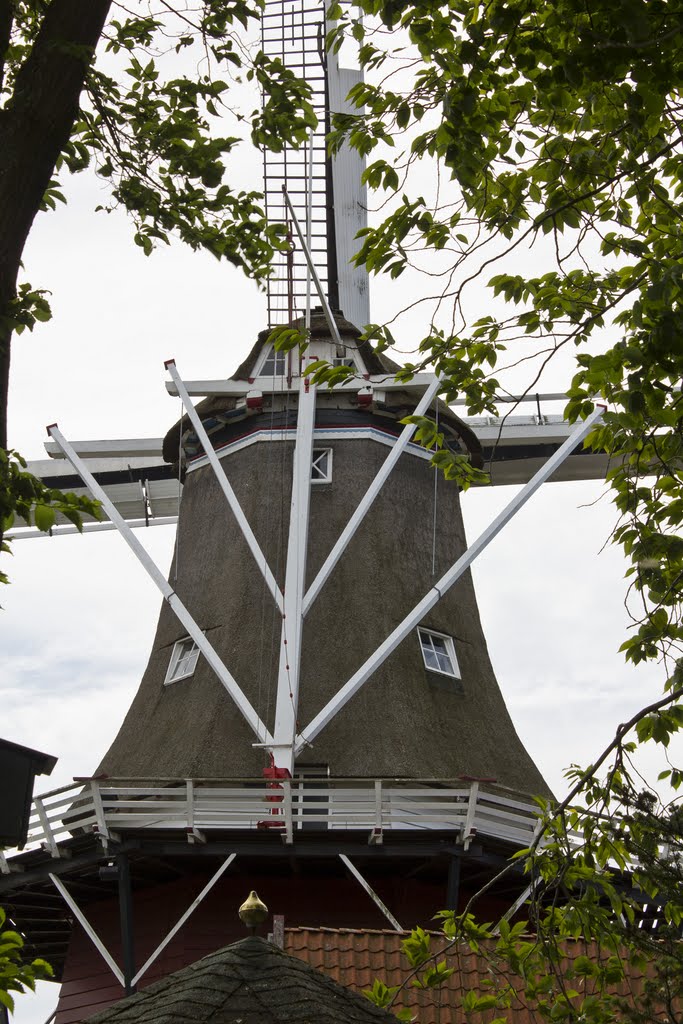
(255, 402)
(272, 772)
(49, 427)
(364, 400)
(168, 362)
(251, 379)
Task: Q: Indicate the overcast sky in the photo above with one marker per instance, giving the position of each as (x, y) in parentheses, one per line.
(80, 614)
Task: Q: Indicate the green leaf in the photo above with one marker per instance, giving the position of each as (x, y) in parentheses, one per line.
(6, 1000)
(44, 516)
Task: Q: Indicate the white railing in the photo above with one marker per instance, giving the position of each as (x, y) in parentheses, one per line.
(198, 806)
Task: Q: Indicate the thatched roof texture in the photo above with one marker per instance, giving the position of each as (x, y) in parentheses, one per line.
(250, 982)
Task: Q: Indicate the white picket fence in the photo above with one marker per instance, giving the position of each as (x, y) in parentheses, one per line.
(200, 806)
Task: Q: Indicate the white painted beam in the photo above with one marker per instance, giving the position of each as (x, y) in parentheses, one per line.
(229, 388)
(88, 929)
(56, 468)
(371, 893)
(531, 397)
(517, 430)
(60, 531)
(368, 498)
(123, 448)
(178, 925)
(309, 224)
(350, 200)
(169, 595)
(284, 732)
(226, 487)
(413, 619)
(240, 388)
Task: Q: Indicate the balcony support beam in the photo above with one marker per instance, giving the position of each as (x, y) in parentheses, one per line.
(371, 892)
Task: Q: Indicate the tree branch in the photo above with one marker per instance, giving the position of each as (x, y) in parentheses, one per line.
(6, 22)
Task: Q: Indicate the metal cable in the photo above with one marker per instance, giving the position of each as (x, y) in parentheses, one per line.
(176, 553)
(280, 547)
(262, 630)
(436, 498)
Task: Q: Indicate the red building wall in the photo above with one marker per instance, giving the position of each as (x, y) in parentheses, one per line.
(88, 984)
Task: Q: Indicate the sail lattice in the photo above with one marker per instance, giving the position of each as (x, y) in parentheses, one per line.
(295, 33)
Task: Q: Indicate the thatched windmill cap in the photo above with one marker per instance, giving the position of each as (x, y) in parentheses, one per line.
(375, 362)
(252, 982)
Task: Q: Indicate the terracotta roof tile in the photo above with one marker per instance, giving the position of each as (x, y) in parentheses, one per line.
(355, 958)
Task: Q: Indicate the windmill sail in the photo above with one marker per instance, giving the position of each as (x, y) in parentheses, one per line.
(327, 193)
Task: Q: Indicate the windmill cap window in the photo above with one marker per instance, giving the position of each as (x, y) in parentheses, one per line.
(438, 653)
(183, 661)
(274, 365)
(344, 361)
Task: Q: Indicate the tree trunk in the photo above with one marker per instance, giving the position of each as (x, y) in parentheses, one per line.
(34, 128)
(6, 21)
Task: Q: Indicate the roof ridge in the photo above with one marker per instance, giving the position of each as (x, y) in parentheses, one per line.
(354, 931)
(291, 929)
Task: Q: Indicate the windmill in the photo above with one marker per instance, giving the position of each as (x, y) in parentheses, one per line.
(319, 708)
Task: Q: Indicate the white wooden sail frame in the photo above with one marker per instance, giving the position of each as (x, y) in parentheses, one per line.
(285, 744)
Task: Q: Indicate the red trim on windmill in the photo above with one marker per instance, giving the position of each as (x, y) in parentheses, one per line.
(254, 400)
(274, 773)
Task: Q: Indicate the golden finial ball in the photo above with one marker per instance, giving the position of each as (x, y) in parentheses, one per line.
(253, 912)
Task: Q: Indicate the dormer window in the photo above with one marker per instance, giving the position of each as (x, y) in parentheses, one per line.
(184, 657)
(438, 653)
(342, 361)
(274, 365)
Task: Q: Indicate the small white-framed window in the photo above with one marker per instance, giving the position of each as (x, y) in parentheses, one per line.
(183, 660)
(438, 652)
(321, 466)
(274, 365)
(341, 361)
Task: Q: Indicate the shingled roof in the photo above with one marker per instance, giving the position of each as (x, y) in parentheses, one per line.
(250, 982)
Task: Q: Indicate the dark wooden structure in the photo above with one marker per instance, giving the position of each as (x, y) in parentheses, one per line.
(19, 767)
